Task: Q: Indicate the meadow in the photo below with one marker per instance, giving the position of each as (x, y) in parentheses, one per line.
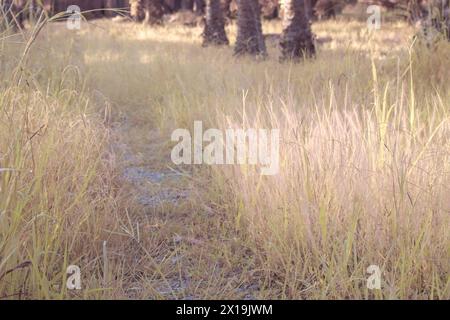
(86, 177)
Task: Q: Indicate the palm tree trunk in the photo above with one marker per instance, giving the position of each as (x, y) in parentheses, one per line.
(148, 11)
(214, 32)
(199, 7)
(137, 10)
(187, 5)
(297, 39)
(111, 4)
(153, 11)
(250, 39)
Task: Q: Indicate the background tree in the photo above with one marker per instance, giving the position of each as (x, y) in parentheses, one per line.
(148, 11)
(296, 39)
(153, 11)
(199, 6)
(187, 5)
(111, 4)
(214, 32)
(250, 39)
(137, 10)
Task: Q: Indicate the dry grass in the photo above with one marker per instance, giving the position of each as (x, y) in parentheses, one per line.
(364, 178)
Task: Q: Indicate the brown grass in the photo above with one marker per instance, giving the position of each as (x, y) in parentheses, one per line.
(364, 178)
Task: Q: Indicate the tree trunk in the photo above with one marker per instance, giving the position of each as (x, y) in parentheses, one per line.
(176, 5)
(199, 7)
(153, 11)
(187, 5)
(137, 10)
(148, 11)
(109, 5)
(297, 39)
(250, 39)
(226, 8)
(214, 32)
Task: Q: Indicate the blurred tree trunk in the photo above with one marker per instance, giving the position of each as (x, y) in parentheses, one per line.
(199, 6)
(137, 10)
(439, 16)
(187, 5)
(176, 5)
(214, 32)
(148, 11)
(153, 11)
(111, 4)
(250, 39)
(297, 39)
(310, 8)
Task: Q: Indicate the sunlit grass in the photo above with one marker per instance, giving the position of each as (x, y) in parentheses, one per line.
(364, 176)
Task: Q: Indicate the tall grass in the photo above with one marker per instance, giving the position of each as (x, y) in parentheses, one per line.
(358, 185)
(59, 200)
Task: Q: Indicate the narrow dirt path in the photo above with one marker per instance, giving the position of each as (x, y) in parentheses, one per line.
(187, 249)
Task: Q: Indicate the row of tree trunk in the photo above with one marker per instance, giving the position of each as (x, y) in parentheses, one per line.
(269, 8)
(296, 40)
(148, 11)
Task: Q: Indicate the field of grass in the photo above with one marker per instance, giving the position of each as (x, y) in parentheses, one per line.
(364, 166)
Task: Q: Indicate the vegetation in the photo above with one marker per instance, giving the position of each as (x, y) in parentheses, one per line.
(297, 39)
(214, 32)
(250, 39)
(364, 164)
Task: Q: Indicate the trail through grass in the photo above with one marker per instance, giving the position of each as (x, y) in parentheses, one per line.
(85, 156)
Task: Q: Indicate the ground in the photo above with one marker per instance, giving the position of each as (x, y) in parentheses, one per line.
(364, 166)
